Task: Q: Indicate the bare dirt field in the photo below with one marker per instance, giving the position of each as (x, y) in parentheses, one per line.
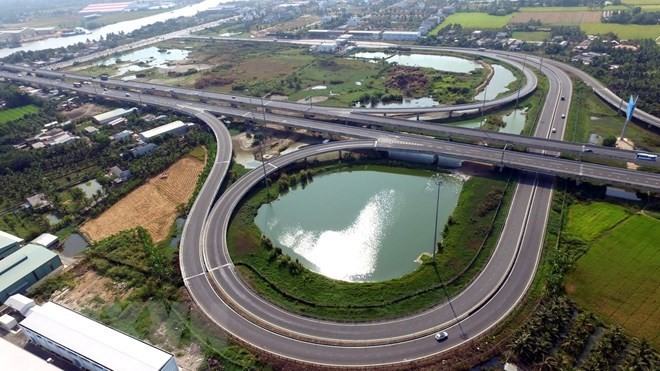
(86, 110)
(152, 205)
(558, 17)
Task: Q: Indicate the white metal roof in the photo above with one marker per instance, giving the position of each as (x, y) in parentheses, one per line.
(16, 358)
(162, 129)
(103, 345)
(20, 303)
(45, 240)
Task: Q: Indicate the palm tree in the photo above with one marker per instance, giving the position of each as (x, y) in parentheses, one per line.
(548, 363)
(641, 356)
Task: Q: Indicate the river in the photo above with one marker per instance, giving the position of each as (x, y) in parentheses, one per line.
(127, 26)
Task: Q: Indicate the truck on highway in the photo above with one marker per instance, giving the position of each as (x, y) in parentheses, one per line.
(77, 85)
(104, 77)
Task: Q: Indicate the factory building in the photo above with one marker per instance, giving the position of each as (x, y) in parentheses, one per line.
(46, 240)
(176, 127)
(25, 267)
(8, 244)
(88, 344)
(109, 116)
(401, 35)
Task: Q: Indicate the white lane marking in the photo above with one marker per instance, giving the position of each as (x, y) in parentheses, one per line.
(272, 165)
(194, 276)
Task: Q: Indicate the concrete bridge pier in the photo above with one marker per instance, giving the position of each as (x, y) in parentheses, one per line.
(418, 117)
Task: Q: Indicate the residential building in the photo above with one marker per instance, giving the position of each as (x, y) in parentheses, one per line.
(88, 344)
(37, 201)
(46, 240)
(25, 267)
(8, 244)
(109, 116)
(176, 127)
(119, 174)
(143, 149)
(327, 47)
(91, 130)
(121, 135)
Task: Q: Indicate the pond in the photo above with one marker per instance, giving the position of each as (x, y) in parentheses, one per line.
(515, 122)
(371, 232)
(438, 62)
(73, 245)
(90, 188)
(144, 59)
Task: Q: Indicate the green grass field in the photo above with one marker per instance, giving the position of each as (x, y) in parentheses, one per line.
(17, 113)
(572, 8)
(590, 221)
(618, 277)
(624, 31)
(531, 36)
(475, 20)
(641, 2)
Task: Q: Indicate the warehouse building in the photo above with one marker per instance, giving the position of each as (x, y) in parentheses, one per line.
(176, 127)
(366, 35)
(25, 267)
(8, 244)
(109, 116)
(401, 35)
(88, 344)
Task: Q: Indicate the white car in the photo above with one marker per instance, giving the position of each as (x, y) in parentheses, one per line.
(441, 336)
(554, 130)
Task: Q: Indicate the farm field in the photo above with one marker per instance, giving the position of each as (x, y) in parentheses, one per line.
(589, 221)
(617, 278)
(477, 20)
(624, 31)
(17, 113)
(152, 205)
(558, 17)
(531, 36)
(574, 8)
(641, 2)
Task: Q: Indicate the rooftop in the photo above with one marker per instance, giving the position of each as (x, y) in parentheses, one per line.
(162, 129)
(21, 263)
(16, 358)
(103, 345)
(7, 239)
(112, 114)
(45, 240)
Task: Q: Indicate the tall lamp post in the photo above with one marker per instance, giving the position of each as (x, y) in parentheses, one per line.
(263, 161)
(435, 233)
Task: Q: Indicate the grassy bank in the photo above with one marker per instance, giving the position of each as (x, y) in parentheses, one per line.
(287, 284)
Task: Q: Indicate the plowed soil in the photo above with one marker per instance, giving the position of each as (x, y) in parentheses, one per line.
(152, 205)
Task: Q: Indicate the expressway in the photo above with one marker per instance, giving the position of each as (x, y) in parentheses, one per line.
(161, 93)
(212, 281)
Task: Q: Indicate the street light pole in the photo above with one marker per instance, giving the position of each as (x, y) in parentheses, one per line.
(435, 233)
(263, 161)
